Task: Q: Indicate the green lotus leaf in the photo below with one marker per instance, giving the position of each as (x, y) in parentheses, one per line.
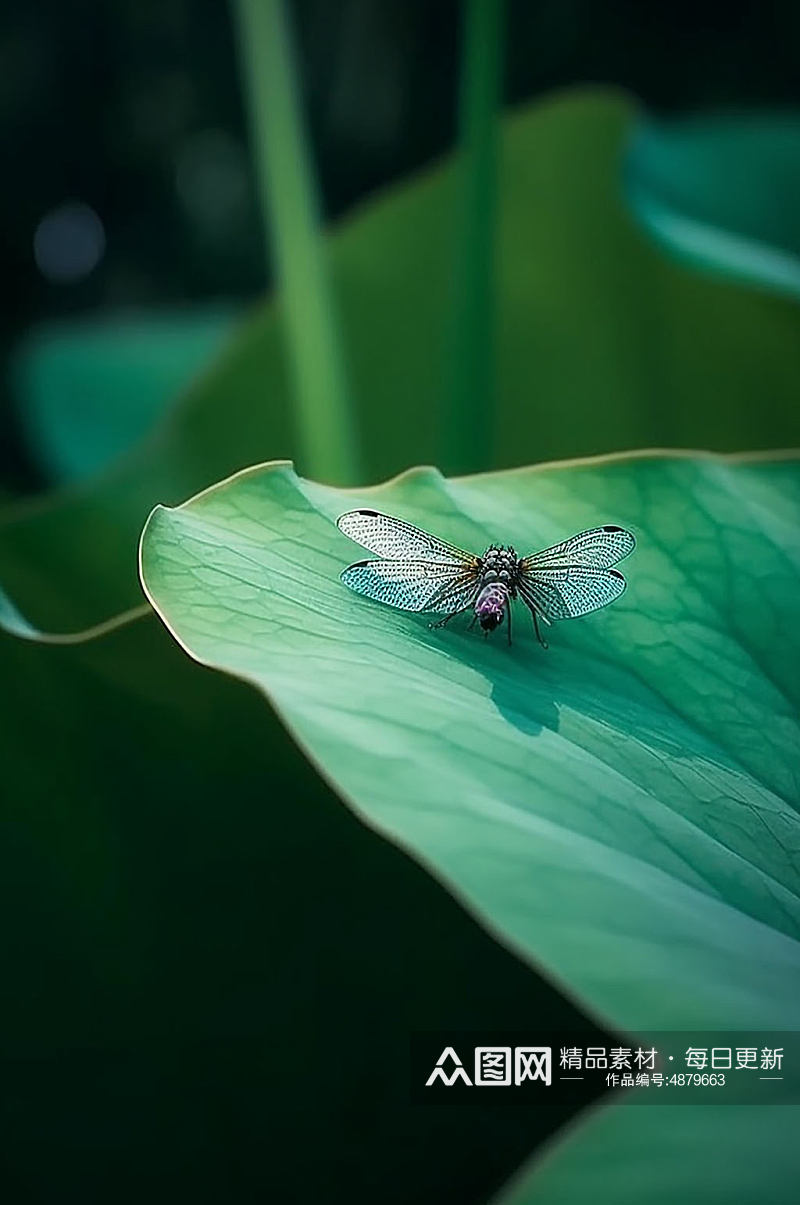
(722, 191)
(700, 1155)
(621, 808)
(87, 391)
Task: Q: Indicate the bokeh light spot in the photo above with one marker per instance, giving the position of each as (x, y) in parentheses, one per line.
(69, 243)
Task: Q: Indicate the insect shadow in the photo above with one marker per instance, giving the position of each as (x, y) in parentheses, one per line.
(532, 687)
(524, 685)
(576, 679)
(530, 710)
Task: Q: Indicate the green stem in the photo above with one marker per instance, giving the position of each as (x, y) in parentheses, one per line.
(470, 381)
(326, 424)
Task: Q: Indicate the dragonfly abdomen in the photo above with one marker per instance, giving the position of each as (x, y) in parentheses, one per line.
(490, 605)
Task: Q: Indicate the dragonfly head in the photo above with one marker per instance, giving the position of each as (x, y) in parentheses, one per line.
(490, 607)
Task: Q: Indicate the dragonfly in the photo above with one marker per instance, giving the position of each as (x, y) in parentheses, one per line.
(419, 572)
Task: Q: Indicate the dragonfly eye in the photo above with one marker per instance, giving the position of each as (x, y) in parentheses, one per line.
(490, 620)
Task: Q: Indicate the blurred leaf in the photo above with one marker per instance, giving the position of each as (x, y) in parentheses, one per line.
(621, 809)
(723, 192)
(205, 957)
(602, 344)
(699, 1155)
(14, 622)
(86, 391)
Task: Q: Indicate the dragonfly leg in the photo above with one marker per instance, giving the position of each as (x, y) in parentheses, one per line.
(542, 642)
(508, 614)
(441, 623)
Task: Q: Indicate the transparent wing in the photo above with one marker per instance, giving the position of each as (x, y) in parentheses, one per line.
(410, 585)
(394, 538)
(455, 596)
(598, 548)
(569, 591)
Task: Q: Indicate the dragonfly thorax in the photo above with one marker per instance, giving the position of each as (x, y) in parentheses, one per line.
(499, 572)
(499, 565)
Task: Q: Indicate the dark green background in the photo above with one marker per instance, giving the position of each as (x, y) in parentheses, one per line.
(211, 968)
(99, 101)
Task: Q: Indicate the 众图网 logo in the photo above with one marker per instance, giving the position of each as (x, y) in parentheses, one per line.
(494, 1066)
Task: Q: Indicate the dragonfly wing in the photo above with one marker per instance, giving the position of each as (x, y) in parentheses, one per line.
(598, 548)
(456, 595)
(409, 585)
(396, 539)
(570, 590)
